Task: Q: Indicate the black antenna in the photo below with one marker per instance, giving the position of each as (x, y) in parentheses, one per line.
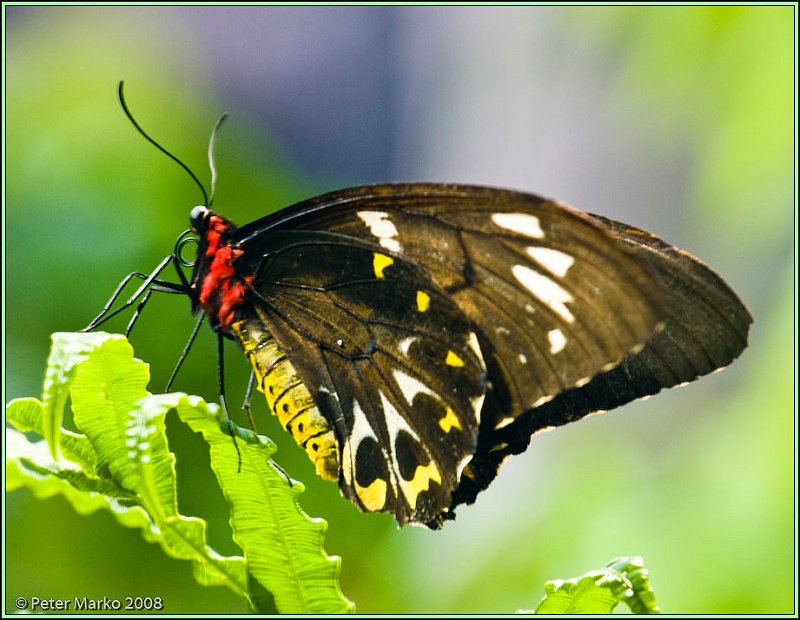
(165, 151)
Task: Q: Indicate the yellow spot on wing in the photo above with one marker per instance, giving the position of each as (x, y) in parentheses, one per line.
(373, 496)
(421, 482)
(423, 301)
(449, 421)
(453, 360)
(381, 262)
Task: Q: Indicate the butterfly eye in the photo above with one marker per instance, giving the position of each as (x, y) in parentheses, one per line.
(198, 218)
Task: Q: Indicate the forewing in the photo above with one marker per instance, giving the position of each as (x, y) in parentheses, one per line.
(554, 297)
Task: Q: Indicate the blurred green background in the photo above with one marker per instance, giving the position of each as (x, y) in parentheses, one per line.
(679, 120)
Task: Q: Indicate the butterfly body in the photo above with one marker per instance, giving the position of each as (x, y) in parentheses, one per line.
(288, 398)
(412, 336)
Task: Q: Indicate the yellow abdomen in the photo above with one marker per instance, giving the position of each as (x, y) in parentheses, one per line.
(289, 398)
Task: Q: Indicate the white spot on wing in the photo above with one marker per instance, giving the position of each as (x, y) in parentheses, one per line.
(503, 422)
(557, 340)
(477, 406)
(523, 359)
(411, 386)
(393, 245)
(545, 290)
(477, 402)
(521, 223)
(382, 227)
(461, 465)
(405, 344)
(473, 344)
(347, 462)
(554, 261)
(395, 423)
(360, 431)
(361, 427)
(542, 400)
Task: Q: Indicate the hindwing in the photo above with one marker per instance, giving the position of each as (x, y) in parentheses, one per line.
(390, 360)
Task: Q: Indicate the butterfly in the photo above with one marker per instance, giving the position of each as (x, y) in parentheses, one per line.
(411, 337)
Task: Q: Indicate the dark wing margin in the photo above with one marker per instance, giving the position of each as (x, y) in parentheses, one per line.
(705, 329)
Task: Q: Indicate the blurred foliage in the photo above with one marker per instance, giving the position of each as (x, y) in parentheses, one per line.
(598, 592)
(123, 464)
(706, 471)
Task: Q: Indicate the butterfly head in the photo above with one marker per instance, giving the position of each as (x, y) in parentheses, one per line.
(199, 219)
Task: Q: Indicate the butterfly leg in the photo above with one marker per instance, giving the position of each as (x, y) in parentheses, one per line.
(185, 352)
(151, 282)
(247, 397)
(246, 406)
(222, 401)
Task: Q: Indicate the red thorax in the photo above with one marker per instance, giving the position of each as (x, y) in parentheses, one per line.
(222, 290)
